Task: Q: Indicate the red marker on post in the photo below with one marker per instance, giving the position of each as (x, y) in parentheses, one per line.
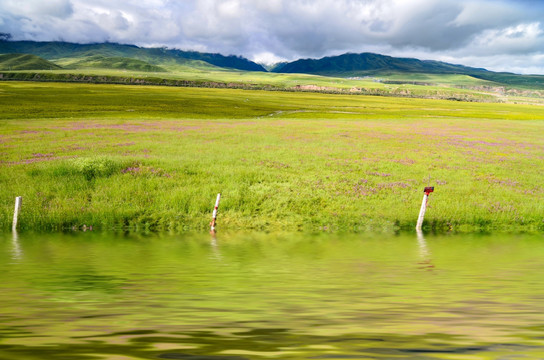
(214, 216)
(428, 190)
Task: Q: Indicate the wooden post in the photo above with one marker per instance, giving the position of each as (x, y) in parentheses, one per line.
(18, 201)
(427, 191)
(214, 216)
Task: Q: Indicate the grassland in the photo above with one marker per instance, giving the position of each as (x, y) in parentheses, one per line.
(181, 72)
(189, 76)
(366, 73)
(25, 62)
(102, 62)
(138, 157)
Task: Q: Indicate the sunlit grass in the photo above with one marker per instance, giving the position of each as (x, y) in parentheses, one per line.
(291, 160)
(200, 75)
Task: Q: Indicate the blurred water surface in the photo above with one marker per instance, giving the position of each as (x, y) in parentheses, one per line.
(89, 295)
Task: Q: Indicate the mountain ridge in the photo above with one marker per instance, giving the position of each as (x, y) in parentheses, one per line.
(345, 65)
(367, 61)
(54, 50)
(371, 64)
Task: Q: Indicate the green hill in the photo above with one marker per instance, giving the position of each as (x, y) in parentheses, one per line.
(369, 64)
(55, 50)
(387, 69)
(521, 81)
(25, 62)
(102, 62)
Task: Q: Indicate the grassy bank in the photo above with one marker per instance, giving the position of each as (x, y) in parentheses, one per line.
(470, 89)
(155, 157)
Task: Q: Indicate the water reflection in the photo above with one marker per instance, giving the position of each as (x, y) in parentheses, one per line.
(269, 343)
(216, 254)
(289, 296)
(17, 252)
(423, 248)
(424, 252)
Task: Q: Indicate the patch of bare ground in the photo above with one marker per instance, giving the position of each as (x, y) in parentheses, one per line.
(313, 88)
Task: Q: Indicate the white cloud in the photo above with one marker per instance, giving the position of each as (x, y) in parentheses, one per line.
(486, 14)
(267, 58)
(265, 30)
(518, 40)
(37, 8)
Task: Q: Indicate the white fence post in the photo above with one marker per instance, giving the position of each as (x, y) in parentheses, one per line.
(214, 216)
(427, 191)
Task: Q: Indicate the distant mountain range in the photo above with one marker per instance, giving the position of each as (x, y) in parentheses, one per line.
(61, 50)
(368, 63)
(130, 57)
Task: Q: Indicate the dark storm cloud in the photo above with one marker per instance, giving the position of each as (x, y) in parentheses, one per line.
(478, 31)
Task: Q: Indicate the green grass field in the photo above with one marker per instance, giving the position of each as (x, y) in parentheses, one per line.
(195, 74)
(137, 157)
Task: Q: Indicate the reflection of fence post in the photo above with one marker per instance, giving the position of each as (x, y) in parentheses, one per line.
(18, 201)
(423, 250)
(214, 216)
(427, 191)
(17, 252)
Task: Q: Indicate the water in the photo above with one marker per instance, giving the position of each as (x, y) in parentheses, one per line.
(92, 295)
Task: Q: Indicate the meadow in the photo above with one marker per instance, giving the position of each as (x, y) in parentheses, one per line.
(145, 157)
(452, 87)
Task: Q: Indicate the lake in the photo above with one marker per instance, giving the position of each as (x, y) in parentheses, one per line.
(235, 296)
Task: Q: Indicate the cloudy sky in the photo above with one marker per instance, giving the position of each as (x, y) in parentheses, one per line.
(500, 35)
